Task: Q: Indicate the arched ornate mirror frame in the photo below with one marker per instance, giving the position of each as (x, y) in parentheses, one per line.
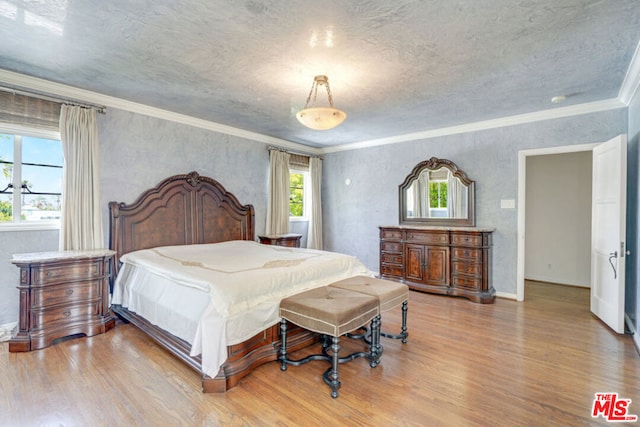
(433, 164)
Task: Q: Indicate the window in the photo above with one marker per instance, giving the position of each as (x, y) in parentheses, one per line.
(438, 194)
(31, 166)
(298, 184)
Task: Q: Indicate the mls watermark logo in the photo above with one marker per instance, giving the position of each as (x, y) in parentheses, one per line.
(612, 408)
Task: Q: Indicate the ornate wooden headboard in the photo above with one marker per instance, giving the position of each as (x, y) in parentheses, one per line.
(181, 210)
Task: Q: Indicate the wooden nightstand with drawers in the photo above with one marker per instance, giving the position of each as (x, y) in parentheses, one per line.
(291, 240)
(61, 294)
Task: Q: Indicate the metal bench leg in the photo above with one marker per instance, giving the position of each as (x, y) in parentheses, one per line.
(334, 378)
(283, 346)
(404, 334)
(375, 349)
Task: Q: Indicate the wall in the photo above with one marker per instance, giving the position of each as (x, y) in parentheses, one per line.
(352, 213)
(137, 152)
(632, 279)
(558, 218)
(18, 242)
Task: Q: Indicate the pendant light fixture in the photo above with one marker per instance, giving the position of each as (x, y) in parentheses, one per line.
(320, 118)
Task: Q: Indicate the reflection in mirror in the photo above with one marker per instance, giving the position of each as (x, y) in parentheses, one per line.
(437, 192)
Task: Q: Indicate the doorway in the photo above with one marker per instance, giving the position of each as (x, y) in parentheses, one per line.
(555, 263)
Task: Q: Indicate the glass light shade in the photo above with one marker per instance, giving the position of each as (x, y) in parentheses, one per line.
(321, 118)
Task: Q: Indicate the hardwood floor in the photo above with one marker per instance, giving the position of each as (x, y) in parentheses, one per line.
(537, 362)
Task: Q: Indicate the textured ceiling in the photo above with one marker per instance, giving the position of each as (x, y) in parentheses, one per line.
(395, 67)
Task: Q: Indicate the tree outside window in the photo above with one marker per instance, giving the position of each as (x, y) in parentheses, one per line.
(296, 194)
(438, 194)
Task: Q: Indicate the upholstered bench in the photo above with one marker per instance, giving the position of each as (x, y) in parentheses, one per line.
(333, 312)
(390, 295)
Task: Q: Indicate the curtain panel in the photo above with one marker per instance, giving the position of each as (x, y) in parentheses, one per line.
(81, 226)
(278, 203)
(314, 231)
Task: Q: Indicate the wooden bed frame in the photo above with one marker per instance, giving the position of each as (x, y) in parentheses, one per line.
(183, 210)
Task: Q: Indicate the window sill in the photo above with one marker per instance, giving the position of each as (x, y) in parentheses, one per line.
(30, 226)
(298, 219)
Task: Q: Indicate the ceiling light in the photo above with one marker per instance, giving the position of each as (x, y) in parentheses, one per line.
(558, 99)
(320, 118)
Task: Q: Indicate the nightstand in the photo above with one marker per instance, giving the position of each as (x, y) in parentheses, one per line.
(291, 240)
(61, 294)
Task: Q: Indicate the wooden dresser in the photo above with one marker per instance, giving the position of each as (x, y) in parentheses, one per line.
(291, 240)
(61, 294)
(443, 260)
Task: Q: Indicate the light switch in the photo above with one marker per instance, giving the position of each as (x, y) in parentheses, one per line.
(508, 204)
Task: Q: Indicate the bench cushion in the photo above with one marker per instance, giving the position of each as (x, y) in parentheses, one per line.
(330, 310)
(391, 294)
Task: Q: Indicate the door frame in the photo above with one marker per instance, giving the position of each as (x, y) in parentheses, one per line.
(522, 191)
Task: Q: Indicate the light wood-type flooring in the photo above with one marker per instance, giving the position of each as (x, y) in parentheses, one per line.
(532, 363)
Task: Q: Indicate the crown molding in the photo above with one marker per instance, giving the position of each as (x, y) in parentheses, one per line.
(34, 84)
(46, 87)
(631, 79)
(554, 113)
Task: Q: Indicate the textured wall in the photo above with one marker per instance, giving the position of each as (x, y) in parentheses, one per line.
(632, 294)
(18, 242)
(137, 152)
(352, 213)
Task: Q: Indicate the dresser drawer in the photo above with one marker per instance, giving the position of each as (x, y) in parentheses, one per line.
(391, 258)
(470, 268)
(466, 253)
(391, 270)
(391, 247)
(64, 314)
(466, 239)
(53, 274)
(71, 292)
(428, 237)
(390, 234)
(466, 282)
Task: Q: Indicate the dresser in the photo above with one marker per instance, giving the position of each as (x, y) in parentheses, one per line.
(443, 260)
(62, 294)
(291, 240)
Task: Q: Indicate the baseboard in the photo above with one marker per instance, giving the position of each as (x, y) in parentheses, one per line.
(629, 326)
(506, 295)
(6, 330)
(556, 281)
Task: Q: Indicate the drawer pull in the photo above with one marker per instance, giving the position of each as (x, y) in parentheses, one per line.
(66, 313)
(48, 274)
(69, 291)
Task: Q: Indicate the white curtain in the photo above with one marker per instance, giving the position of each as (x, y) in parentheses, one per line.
(456, 200)
(81, 227)
(420, 190)
(314, 232)
(278, 203)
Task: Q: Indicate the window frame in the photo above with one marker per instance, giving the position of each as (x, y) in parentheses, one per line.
(305, 194)
(13, 129)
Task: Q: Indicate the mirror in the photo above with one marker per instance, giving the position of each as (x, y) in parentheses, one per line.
(436, 192)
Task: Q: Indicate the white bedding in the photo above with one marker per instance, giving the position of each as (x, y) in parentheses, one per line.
(221, 294)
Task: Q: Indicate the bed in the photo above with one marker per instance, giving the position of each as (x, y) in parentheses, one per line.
(190, 275)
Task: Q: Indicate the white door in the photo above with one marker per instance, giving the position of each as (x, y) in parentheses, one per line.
(608, 224)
